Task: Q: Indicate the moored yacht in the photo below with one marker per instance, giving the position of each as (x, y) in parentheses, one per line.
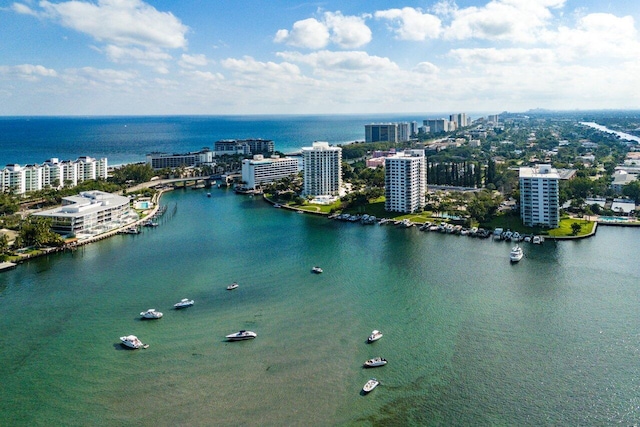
(151, 314)
(516, 253)
(375, 336)
(232, 286)
(184, 302)
(375, 362)
(241, 335)
(131, 341)
(316, 270)
(370, 385)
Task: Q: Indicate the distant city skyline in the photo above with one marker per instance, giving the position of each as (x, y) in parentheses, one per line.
(130, 57)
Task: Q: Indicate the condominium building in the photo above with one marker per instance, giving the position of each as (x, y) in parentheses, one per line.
(322, 169)
(195, 158)
(244, 147)
(381, 132)
(438, 125)
(51, 174)
(89, 213)
(405, 181)
(259, 170)
(461, 120)
(539, 204)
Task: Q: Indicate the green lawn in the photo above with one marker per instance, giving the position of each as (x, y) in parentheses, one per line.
(565, 227)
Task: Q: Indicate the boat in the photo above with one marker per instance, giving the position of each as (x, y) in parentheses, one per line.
(370, 385)
(151, 314)
(375, 362)
(375, 336)
(241, 335)
(316, 270)
(184, 302)
(208, 194)
(132, 341)
(232, 286)
(516, 253)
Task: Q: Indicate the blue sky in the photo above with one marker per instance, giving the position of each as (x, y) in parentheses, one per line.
(124, 57)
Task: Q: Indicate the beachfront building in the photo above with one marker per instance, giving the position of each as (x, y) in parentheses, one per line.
(381, 132)
(322, 169)
(539, 205)
(261, 170)
(244, 147)
(439, 125)
(51, 174)
(90, 213)
(405, 181)
(172, 161)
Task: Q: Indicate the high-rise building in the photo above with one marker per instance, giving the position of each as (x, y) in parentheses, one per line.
(539, 204)
(437, 125)
(405, 181)
(404, 131)
(259, 170)
(459, 119)
(381, 132)
(322, 169)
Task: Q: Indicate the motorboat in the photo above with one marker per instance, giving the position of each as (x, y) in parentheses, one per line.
(232, 286)
(316, 270)
(375, 336)
(241, 335)
(375, 362)
(132, 341)
(370, 385)
(151, 314)
(516, 253)
(184, 302)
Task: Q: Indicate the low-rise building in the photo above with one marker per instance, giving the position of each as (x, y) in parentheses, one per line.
(89, 213)
(164, 160)
(261, 170)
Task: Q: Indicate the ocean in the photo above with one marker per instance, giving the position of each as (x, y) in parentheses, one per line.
(471, 339)
(29, 140)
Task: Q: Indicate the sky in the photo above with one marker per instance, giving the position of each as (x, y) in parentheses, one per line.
(211, 57)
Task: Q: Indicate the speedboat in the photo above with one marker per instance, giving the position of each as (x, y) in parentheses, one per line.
(375, 336)
(232, 286)
(316, 270)
(241, 335)
(370, 385)
(516, 253)
(151, 314)
(132, 341)
(375, 362)
(184, 302)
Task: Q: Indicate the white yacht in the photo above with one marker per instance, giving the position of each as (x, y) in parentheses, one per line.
(151, 314)
(375, 336)
(232, 286)
(241, 335)
(316, 270)
(184, 302)
(370, 385)
(132, 341)
(375, 362)
(516, 253)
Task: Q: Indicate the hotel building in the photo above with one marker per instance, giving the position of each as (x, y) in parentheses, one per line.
(164, 160)
(539, 203)
(51, 174)
(89, 213)
(405, 181)
(259, 170)
(322, 169)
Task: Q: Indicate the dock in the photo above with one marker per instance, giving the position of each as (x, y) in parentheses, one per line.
(4, 266)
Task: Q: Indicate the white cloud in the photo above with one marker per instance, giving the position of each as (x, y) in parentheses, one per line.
(205, 75)
(345, 31)
(192, 61)
(508, 20)
(23, 9)
(351, 61)
(27, 71)
(516, 56)
(120, 22)
(411, 24)
(308, 33)
(426, 68)
(151, 57)
(107, 77)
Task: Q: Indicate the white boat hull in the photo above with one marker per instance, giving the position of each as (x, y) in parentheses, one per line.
(370, 385)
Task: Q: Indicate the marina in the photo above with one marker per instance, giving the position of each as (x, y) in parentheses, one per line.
(497, 345)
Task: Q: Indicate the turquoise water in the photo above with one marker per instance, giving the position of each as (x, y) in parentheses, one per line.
(471, 339)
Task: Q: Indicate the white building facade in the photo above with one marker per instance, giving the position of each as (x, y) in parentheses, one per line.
(539, 201)
(322, 169)
(89, 213)
(51, 174)
(405, 181)
(259, 170)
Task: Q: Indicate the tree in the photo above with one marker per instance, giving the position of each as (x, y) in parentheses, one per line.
(575, 228)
